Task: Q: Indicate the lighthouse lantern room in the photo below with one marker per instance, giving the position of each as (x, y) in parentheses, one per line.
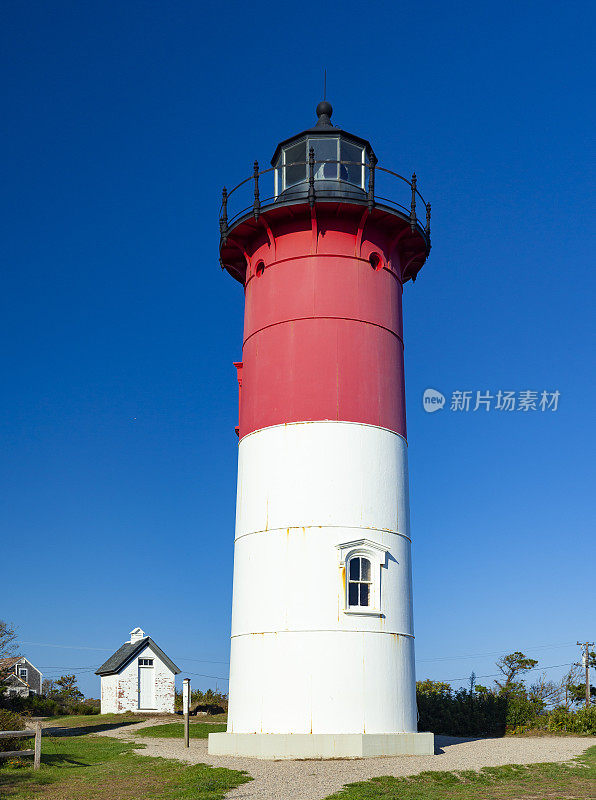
(322, 646)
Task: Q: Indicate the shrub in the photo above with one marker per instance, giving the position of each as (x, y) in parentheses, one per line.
(582, 721)
(212, 702)
(83, 709)
(459, 713)
(521, 710)
(33, 706)
(11, 722)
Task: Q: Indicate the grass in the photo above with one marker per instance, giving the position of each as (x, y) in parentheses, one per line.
(175, 730)
(89, 720)
(223, 717)
(102, 768)
(573, 780)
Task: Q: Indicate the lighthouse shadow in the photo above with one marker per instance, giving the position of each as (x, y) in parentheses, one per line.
(442, 743)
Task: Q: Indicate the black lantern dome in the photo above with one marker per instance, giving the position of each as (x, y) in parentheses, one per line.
(340, 160)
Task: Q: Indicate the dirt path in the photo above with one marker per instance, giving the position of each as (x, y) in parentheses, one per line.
(314, 780)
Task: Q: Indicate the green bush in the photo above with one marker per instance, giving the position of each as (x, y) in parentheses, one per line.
(582, 721)
(521, 710)
(213, 702)
(83, 709)
(11, 722)
(35, 706)
(459, 713)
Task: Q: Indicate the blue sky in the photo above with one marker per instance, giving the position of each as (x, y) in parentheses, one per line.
(122, 121)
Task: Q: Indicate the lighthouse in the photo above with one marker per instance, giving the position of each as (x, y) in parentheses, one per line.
(322, 641)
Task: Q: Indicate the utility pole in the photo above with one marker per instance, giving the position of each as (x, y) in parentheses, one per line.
(586, 662)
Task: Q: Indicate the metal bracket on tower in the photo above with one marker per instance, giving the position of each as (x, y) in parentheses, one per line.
(257, 204)
(413, 206)
(372, 162)
(311, 176)
(223, 219)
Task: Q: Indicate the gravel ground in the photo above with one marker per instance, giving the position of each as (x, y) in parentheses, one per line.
(314, 780)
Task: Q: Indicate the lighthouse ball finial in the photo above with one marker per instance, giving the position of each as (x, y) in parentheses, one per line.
(324, 112)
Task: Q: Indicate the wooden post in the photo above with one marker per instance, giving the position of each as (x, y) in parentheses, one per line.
(37, 756)
(186, 710)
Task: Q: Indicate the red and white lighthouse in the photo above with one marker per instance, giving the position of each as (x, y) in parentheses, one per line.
(322, 648)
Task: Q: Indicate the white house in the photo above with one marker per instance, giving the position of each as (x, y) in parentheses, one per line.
(138, 677)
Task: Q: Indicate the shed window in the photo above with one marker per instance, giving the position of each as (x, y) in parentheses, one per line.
(23, 673)
(359, 581)
(145, 662)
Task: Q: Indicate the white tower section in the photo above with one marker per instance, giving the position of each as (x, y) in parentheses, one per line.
(312, 499)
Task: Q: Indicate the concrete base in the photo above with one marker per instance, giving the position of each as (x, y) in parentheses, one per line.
(320, 745)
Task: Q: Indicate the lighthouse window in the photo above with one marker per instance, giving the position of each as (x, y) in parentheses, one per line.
(295, 172)
(359, 581)
(353, 173)
(325, 150)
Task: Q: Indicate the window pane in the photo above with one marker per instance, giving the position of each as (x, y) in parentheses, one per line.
(364, 587)
(325, 149)
(364, 569)
(296, 173)
(351, 172)
(353, 594)
(354, 569)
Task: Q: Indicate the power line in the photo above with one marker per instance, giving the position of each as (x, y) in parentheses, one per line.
(67, 646)
(492, 653)
(496, 674)
(108, 650)
(214, 677)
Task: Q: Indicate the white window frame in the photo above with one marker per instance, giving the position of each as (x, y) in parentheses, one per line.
(145, 662)
(377, 555)
(24, 677)
(361, 581)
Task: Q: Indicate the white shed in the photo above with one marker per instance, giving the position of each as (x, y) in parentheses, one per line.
(138, 677)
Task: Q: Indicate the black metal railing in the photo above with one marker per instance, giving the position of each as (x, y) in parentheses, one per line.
(371, 173)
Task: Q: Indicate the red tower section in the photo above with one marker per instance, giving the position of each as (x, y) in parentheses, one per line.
(323, 263)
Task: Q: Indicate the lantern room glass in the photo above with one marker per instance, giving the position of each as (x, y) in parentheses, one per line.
(291, 167)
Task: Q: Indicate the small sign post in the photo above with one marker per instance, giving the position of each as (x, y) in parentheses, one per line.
(186, 709)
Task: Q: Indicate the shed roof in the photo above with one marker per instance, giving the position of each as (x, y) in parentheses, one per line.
(128, 651)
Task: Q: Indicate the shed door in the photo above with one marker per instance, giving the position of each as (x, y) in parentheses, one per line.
(146, 683)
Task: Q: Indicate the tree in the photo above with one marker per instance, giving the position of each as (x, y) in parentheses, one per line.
(67, 689)
(48, 687)
(577, 693)
(545, 693)
(569, 680)
(433, 687)
(8, 638)
(511, 666)
(472, 681)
